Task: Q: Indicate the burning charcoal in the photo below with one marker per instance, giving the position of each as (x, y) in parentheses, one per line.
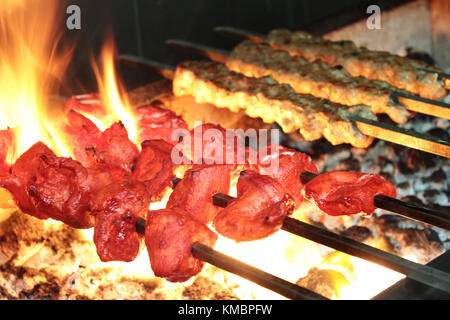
(382, 161)
(352, 164)
(403, 185)
(9, 246)
(117, 208)
(357, 233)
(348, 164)
(291, 164)
(205, 288)
(387, 176)
(319, 148)
(423, 244)
(437, 176)
(324, 281)
(169, 236)
(403, 167)
(412, 199)
(157, 123)
(193, 193)
(420, 160)
(440, 133)
(49, 290)
(257, 212)
(431, 193)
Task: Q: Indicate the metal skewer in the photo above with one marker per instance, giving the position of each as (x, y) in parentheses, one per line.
(262, 278)
(426, 106)
(213, 54)
(440, 74)
(404, 137)
(239, 34)
(380, 130)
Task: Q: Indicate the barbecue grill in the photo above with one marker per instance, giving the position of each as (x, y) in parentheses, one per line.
(429, 280)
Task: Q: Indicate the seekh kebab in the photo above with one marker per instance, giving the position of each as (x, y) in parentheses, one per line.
(318, 78)
(211, 82)
(400, 72)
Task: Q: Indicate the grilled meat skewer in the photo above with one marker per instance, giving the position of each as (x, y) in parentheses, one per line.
(273, 102)
(398, 71)
(318, 78)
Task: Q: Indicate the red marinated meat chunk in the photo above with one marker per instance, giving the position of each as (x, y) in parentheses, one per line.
(212, 144)
(116, 208)
(114, 152)
(154, 167)
(257, 212)
(97, 178)
(20, 175)
(193, 194)
(156, 123)
(61, 188)
(83, 134)
(285, 165)
(114, 147)
(169, 236)
(208, 144)
(110, 149)
(345, 193)
(245, 159)
(86, 104)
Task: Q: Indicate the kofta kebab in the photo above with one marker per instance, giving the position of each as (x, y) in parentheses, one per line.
(110, 184)
(400, 72)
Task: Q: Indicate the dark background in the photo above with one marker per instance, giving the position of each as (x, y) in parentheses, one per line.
(140, 27)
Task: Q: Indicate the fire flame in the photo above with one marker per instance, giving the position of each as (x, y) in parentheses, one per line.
(32, 66)
(112, 93)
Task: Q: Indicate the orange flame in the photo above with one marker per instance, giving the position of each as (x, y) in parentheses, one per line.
(31, 68)
(112, 92)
